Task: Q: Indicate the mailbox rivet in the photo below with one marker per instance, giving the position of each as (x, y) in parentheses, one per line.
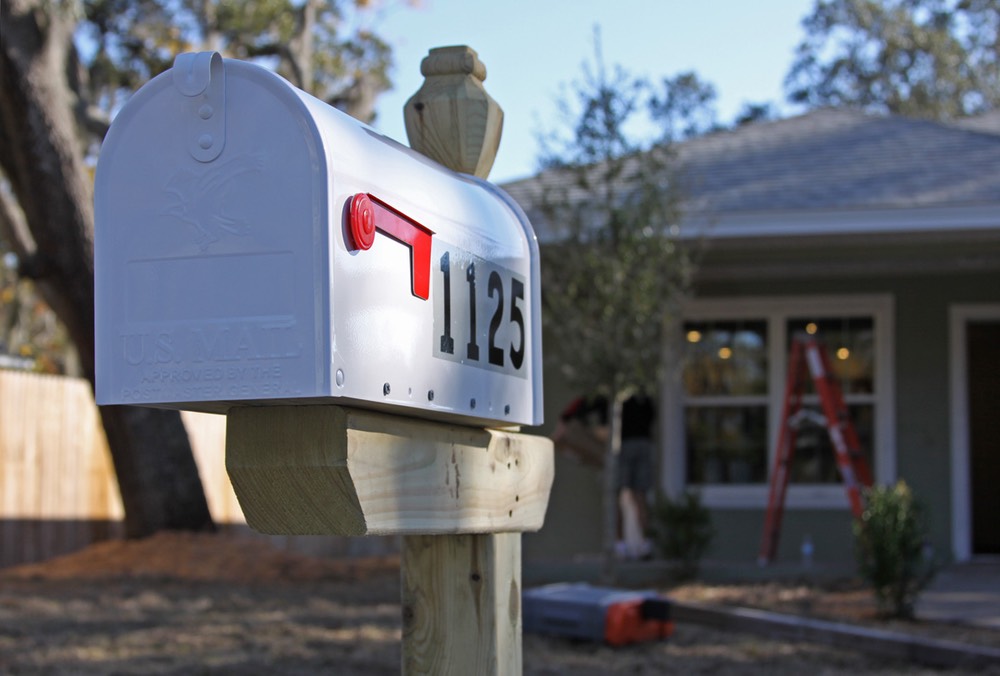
(205, 112)
(430, 395)
(340, 377)
(506, 409)
(205, 141)
(386, 389)
(472, 404)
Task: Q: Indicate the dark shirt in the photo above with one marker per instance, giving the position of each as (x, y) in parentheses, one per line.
(638, 414)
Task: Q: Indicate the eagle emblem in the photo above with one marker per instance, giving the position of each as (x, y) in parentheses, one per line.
(204, 200)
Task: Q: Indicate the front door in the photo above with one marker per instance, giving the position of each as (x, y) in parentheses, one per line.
(983, 353)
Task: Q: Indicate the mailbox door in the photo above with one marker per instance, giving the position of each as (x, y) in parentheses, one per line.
(211, 272)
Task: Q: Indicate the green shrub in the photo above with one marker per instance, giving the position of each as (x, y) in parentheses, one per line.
(890, 543)
(682, 530)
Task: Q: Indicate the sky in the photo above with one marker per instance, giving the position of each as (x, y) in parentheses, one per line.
(532, 48)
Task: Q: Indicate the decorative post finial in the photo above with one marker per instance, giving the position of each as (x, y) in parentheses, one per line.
(451, 118)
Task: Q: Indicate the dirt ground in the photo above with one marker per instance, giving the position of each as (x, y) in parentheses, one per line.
(203, 604)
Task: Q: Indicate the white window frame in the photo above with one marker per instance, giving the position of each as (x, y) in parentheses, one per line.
(777, 310)
(959, 316)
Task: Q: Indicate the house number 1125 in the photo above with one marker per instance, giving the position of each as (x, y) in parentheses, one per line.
(473, 316)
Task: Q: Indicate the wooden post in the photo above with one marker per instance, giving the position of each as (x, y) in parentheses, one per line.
(460, 496)
(462, 604)
(461, 593)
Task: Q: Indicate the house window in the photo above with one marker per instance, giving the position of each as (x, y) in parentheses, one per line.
(726, 404)
(725, 385)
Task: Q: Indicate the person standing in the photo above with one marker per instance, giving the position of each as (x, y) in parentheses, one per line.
(582, 431)
(635, 476)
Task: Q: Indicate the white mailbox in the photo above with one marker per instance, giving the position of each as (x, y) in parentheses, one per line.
(256, 246)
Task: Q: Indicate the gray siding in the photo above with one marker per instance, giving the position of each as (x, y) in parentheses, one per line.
(922, 426)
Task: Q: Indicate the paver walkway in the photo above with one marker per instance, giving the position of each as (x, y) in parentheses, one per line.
(965, 592)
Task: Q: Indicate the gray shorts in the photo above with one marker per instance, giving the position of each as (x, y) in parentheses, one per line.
(635, 465)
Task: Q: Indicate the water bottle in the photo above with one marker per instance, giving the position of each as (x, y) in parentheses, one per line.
(807, 552)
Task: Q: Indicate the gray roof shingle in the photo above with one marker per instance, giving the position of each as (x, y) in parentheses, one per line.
(833, 159)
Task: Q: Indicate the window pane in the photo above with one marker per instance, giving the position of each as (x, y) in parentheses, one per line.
(850, 343)
(726, 444)
(725, 358)
(815, 461)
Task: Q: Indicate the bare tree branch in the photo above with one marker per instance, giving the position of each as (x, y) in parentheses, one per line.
(13, 226)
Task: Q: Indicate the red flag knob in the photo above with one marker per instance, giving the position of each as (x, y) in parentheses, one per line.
(362, 221)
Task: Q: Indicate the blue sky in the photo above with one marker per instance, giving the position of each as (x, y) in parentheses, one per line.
(532, 47)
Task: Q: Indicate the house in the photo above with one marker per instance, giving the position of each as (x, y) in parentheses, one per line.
(882, 235)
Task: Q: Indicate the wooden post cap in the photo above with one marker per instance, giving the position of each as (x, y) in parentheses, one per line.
(451, 118)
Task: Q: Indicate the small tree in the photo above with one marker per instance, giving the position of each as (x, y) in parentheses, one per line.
(614, 267)
(890, 541)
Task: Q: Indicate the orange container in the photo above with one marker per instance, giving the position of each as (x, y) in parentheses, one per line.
(616, 617)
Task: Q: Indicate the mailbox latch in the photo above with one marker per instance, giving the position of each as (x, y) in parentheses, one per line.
(201, 79)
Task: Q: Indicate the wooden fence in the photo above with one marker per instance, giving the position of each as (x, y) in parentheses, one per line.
(58, 491)
(57, 486)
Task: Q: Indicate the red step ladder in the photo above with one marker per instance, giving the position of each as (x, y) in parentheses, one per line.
(808, 353)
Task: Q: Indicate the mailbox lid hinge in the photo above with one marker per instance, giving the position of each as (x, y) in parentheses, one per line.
(201, 78)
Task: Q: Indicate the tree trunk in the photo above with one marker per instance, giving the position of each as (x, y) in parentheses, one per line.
(157, 474)
(41, 156)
